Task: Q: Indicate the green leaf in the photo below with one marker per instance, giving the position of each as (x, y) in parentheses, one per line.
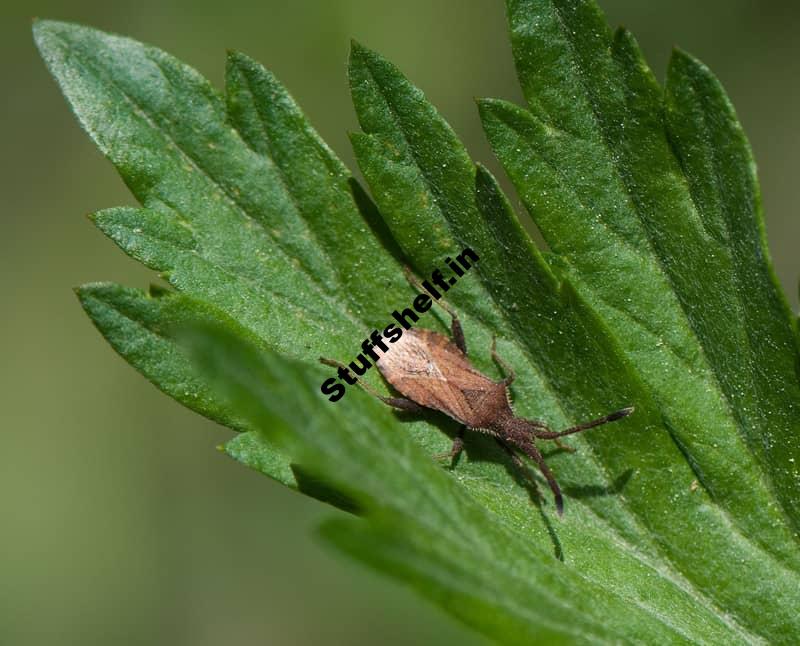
(140, 327)
(704, 320)
(681, 521)
(660, 497)
(419, 522)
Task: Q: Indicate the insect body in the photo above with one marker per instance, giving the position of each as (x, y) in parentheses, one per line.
(430, 370)
(433, 372)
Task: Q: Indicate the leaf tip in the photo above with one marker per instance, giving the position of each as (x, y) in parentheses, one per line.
(357, 49)
(361, 56)
(82, 291)
(38, 25)
(44, 27)
(39, 29)
(484, 180)
(683, 67)
(356, 138)
(623, 34)
(52, 38)
(494, 112)
(681, 54)
(683, 60)
(89, 292)
(488, 106)
(238, 58)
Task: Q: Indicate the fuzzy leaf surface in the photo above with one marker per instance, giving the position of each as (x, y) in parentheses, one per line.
(659, 225)
(281, 257)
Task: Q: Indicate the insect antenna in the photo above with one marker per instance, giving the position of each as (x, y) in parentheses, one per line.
(605, 419)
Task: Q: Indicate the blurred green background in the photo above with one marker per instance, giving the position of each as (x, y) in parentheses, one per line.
(120, 522)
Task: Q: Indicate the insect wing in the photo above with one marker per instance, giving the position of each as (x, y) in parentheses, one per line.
(429, 369)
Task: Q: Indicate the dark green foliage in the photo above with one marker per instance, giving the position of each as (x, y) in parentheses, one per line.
(681, 522)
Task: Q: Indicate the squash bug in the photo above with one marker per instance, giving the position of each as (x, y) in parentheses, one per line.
(432, 371)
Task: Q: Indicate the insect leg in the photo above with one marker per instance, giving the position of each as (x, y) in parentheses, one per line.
(514, 458)
(456, 330)
(611, 417)
(510, 375)
(532, 452)
(401, 403)
(455, 450)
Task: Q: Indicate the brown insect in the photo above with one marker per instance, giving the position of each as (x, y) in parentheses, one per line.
(433, 372)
